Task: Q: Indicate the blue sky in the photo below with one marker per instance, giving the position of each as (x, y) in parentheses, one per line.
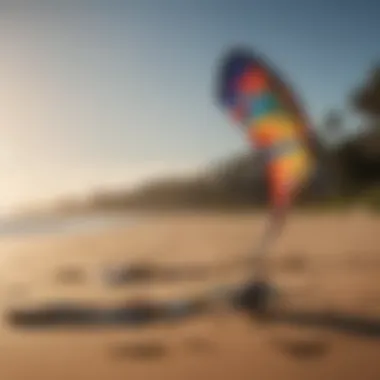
(107, 93)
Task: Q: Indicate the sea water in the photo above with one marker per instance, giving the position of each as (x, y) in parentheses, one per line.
(58, 224)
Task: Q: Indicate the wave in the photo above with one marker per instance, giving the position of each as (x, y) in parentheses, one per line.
(53, 224)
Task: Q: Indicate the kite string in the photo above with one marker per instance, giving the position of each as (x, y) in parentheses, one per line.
(273, 230)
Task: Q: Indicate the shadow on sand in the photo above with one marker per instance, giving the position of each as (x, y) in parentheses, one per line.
(69, 316)
(139, 351)
(337, 322)
(155, 350)
(303, 349)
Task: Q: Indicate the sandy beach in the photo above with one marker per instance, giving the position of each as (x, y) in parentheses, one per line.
(323, 263)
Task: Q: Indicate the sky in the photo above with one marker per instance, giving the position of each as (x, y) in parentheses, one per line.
(98, 94)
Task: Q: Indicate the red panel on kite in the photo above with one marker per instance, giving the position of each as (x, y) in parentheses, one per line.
(253, 81)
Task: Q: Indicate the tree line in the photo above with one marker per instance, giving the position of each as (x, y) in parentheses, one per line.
(349, 169)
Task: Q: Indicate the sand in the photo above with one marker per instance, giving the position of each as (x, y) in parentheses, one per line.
(322, 263)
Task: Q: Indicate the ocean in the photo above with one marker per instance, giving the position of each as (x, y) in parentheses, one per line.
(54, 224)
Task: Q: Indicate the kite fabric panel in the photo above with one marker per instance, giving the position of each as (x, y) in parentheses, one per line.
(257, 99)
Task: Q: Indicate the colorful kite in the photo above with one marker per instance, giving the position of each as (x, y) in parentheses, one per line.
(273, 121)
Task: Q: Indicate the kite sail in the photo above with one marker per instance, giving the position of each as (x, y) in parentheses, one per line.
(271, 117)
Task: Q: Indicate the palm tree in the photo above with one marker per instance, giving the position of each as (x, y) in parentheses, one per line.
(366, 99)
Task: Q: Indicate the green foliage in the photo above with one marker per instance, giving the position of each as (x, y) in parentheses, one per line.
(366, 99)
